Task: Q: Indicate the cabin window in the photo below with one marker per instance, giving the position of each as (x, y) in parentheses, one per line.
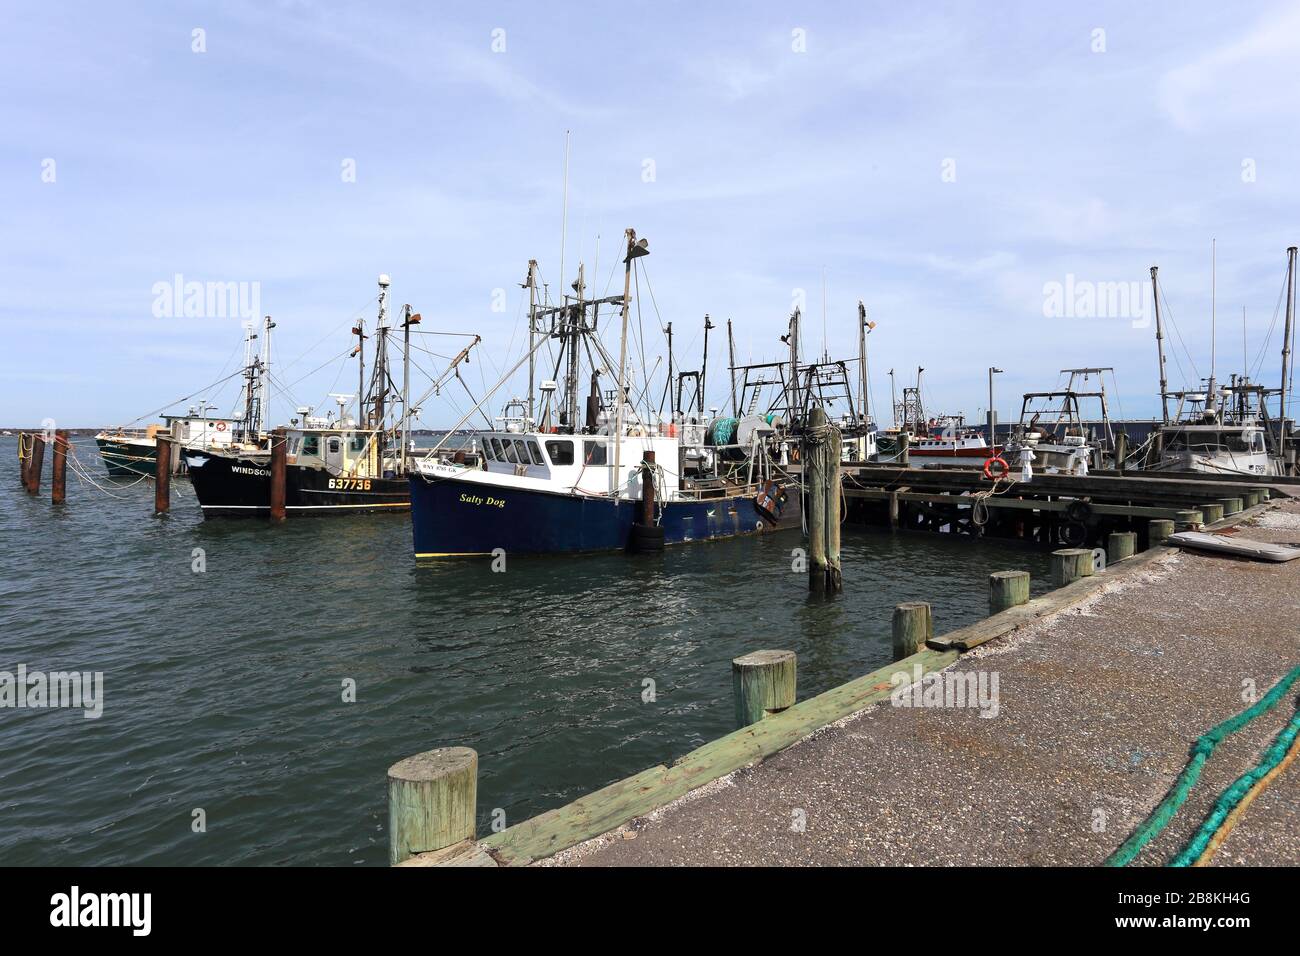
(358, 444)
(487, 450)
(593, 453)
(561, 452)
(512, 455)
(334, 446)
(521, 450)
(497, 453)
(311, 445)
(536, 453)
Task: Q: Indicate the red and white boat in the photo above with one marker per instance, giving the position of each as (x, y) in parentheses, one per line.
(947, 443)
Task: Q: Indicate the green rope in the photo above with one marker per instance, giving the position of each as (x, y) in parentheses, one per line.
(1229, 799)
(1201, 750)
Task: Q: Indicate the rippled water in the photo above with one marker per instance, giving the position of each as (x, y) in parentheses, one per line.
(223, 689)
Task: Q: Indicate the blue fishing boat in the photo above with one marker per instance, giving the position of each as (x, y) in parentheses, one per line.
(623, 478)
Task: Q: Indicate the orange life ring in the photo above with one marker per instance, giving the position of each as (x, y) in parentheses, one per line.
(1003, 468)
(221, 426)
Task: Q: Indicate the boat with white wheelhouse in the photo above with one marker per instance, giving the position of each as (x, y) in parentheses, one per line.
(554, 481)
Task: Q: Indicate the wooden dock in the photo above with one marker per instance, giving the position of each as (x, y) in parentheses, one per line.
(782, 724)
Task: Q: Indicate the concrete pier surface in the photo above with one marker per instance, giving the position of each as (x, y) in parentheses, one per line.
(1097, 709)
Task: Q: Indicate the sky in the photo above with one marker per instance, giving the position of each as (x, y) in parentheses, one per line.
(950, 164)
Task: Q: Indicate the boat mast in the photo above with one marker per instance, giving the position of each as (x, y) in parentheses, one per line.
(1212, 399)
(1160, 349)
(731, 369)
(264, 376)
(359, 330)
(1286, 346)
(408, 320)
(704, 372)
(862, 356)
(380, 391)
(635, 249)
(792, 340)
(531, 284)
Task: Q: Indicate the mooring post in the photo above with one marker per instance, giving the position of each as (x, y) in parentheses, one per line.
(893, 511)
(1211, 512)
(1121, 449)
(1231, 506)
(904, 456)
(648, 489)
(1007, 589)
(1189, 520)
(279, 459)
(1250, 498)
(833, 450)
(763, 684)
(912, 626)
(34, 466)
(59, 467)
(1070, 564)
(1264, 493)
(162, 486)
(24, 457)
(432, 801)
(816, 477)
(1158, 531)
(1120, 545)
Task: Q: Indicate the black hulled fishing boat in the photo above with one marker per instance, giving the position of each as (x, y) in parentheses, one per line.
(333, 465)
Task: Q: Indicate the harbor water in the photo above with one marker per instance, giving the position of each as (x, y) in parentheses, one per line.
(228, 648)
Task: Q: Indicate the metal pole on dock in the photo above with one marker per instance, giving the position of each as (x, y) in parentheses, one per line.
(1008, 589)
(432, 800)
(59, 467)
(763, 684)
(35, 464)
(912, 626)
(279, 459)
(162, 486)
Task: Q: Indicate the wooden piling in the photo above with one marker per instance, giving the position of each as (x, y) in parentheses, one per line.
(912, 626)
(1007, 589)
(763, 684)
(821, 485)
(432, 801)
(1121, 449)
(1211, 512)
(1158, 531)
(904, 456)
(34, 466)
(834, 502)
(1070, 564)
(162, 486)
(24, 457)
(1120, 545)
(1231, 506)
(1264, 493)
(1189, 520)
(1250, 498)
(59, 467)
(648, 489)
(279, 460)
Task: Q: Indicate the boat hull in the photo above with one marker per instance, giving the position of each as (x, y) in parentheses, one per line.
(455, 517)
(232, 486)
(125, 458)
